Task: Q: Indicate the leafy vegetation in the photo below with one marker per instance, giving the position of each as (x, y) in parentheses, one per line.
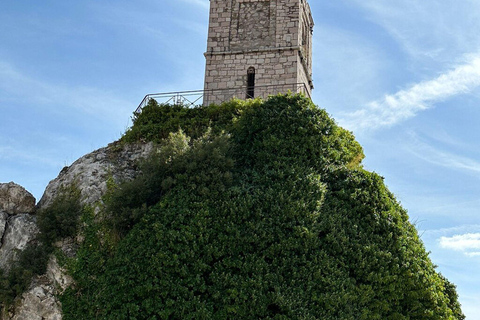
(157, 121)
(60, 219)
(253, 210)
(31, 261)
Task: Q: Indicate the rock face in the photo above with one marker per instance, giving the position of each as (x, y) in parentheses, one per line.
(15, 199)
(19, 231)
(3, 224)
(38, 304)
(40, 301)
(17, 224)
(90, 174)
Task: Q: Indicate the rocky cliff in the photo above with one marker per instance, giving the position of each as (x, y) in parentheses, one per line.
(18, 223)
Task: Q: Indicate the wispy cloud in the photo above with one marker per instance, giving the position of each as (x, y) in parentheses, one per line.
(435, 37)
(436, 156)
(407, 103)
(429, 29)
(473, 254)
(11, 79)
(450, 231)
(19, 156)
(94, 102)
(468, 243)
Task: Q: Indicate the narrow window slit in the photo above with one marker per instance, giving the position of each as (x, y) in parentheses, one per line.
(251, 83)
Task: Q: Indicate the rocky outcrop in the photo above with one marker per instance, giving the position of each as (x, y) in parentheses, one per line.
(40, 300)
(3, 225)
(14, 199)
(89, 174)
(17, 224)
(20, 230)
(38, 303)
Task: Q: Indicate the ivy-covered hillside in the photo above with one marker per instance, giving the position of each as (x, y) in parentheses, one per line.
(252, 210)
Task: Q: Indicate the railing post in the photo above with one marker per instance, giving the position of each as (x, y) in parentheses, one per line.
(222, 95)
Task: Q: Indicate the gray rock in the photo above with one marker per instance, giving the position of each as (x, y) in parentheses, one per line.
(14, 199)
(57, 275)
(19, 231)
(3, 225)
(91, 172)
(38, 303)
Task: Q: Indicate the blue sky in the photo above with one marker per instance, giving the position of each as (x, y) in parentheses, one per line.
(404, 76)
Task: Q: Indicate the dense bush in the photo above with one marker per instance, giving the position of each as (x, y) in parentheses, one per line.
(157, 121)
(31, 261)
(391, 273)
(272, 219)
(292, 131)
(60, 219)
(176, 161)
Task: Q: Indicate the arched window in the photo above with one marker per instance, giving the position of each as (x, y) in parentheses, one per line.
(251, 83)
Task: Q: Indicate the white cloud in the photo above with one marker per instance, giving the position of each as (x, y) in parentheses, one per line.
(429, 29)
(462, 229)
(435, 35)
(407, 103)
(446, 159)
(437, 156)
(473, 254)
(468, 243)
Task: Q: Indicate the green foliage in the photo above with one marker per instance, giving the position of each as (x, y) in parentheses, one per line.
(453, 303)
(175, 162)
(380, 250)
(88, 264)
(127, 203)
(272, 219)
(60, 219)
(157, 121)
(291, 130)
(32, 261)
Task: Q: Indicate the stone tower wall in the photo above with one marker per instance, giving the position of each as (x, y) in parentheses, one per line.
(272, 36)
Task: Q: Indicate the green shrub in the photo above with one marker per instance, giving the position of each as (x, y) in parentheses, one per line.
(380, 250)
(60, 219)
(31, 261)
(177, 160)
(157, 121)
(273, 219)
(283, 126)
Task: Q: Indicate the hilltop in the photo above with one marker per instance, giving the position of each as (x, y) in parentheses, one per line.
(246, 210)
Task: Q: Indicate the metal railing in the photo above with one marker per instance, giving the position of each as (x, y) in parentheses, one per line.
(206, 97)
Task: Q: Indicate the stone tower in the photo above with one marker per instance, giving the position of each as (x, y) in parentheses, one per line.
(258, 47)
